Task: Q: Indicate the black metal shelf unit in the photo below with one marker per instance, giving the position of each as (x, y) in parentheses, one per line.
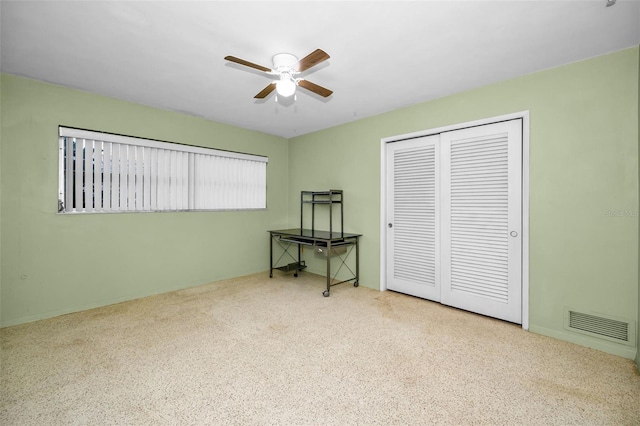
(330, 197)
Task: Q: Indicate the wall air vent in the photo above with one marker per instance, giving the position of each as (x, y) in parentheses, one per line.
(617, 330)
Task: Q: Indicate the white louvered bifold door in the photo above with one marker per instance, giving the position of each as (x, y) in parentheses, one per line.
(412, 213)
(482, 219)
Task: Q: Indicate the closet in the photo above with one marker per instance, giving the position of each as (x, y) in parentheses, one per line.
(454, 218)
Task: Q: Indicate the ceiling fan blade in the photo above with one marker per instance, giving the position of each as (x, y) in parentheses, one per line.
(312, 59)
(315, 88)
(265, 92)
(247, 63)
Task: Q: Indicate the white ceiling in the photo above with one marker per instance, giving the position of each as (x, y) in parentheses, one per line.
(385, 55)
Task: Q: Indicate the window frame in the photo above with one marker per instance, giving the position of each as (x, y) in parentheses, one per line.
(192, 151)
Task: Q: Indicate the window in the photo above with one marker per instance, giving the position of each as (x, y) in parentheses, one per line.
(105, 173)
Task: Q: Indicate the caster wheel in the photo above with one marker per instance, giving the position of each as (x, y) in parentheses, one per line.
(295, 275)
(270, 275)
(325, 293)
(356, 284)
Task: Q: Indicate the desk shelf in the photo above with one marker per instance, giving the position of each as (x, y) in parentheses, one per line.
(313, 198)
(295, 266)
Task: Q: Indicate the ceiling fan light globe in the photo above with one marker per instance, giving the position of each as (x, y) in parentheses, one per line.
(285, 88)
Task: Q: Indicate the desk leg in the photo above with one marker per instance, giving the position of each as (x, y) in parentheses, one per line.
(295, 274)
(326, 292)
(270, 255)
(356, 283)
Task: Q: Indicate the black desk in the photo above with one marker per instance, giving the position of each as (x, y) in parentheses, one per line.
(308, 237)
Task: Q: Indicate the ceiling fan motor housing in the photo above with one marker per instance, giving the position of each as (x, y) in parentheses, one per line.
(284, 61)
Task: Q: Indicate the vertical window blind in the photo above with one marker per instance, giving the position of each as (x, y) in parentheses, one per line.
(101, 172)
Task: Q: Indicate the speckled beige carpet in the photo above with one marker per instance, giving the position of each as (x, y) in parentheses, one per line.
(255, 350)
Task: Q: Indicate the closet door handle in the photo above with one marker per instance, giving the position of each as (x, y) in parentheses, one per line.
(390, 225)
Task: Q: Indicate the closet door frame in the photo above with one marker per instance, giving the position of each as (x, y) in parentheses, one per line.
(524, 116)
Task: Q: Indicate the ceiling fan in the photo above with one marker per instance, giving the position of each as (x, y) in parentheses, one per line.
(286, 67)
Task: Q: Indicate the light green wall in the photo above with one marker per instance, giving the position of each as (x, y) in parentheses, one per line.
(583, 163)
(53, 264)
